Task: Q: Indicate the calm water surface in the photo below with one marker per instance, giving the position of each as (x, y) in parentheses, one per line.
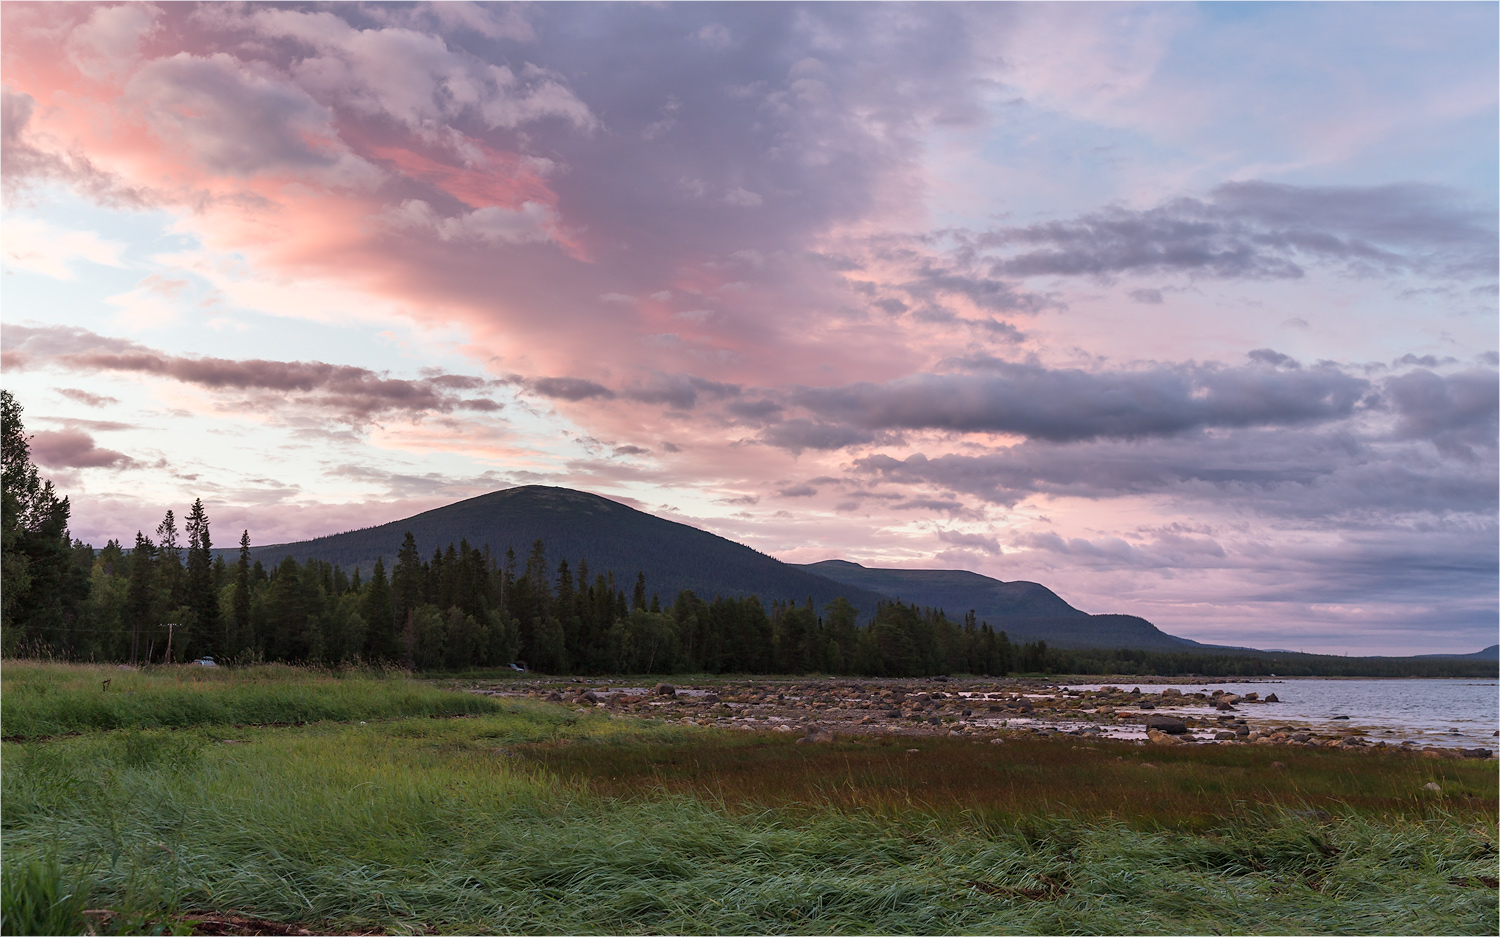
(1463, 713)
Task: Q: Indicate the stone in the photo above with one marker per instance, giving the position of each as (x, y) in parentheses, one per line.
(1170, 691)
(1158, 737)
(666, 689)
(710, 697)
(1475, 752)
(1168, 724)
(1271, 698)
(1148, 706)
(1337, 718)
(1224, 735)
(997, 741)
(1252, 697)
(554, 697)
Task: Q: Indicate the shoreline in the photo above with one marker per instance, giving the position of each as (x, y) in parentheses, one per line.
(979, 709)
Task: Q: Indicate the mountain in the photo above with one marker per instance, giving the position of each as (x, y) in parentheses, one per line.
(612, 537)
(1026, 611)
(575, 525)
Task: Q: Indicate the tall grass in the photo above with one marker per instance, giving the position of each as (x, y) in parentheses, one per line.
(540, 819)
(35, 899)
(413, 824)
(43, 699)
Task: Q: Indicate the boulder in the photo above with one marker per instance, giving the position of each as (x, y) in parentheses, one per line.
(1147, 706)
(1475, 752)
(1168, 724)
(1252, 697)
(1224, 735)
(666, 689)
(1271, 698)
(710, 697)
(1170, 691)
(1158, 737)
(554, 697)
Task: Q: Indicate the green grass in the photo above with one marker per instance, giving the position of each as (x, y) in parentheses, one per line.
(44, 699)
(540, 819)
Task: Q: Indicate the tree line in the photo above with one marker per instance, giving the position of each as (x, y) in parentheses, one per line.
(170, 596)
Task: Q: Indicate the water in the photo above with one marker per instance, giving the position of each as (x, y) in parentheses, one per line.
(1458, 713)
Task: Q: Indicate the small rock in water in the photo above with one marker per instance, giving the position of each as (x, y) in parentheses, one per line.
(1168, 724)
(1340, 717)
(1271, 698)
(666, 689)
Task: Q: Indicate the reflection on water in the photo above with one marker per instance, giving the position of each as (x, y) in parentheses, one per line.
(1463, 712)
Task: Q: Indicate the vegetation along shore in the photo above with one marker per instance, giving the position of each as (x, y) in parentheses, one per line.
(278, 799)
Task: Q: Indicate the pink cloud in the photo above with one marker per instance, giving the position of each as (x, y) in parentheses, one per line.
(65, 449)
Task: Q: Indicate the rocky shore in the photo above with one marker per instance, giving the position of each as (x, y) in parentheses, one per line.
(821, 710)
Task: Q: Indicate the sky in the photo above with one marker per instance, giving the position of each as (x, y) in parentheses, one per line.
(1184, 311)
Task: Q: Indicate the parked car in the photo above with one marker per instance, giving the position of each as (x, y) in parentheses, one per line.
(205, 662)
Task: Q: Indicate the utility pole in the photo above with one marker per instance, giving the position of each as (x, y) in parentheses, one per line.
(170, 625)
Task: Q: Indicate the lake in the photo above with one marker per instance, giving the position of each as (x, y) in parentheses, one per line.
(1463, 713)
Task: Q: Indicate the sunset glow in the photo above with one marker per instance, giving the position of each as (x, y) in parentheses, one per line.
(1185, 311)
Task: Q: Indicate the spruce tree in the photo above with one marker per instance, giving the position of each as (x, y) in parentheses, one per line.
(375, 609)
(200, 596)
(240, 638)
(139, 609)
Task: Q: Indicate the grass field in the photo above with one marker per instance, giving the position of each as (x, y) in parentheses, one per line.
(398, 807)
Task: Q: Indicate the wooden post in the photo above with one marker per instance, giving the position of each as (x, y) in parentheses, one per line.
(170, 625)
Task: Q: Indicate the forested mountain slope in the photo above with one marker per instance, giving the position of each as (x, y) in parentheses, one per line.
(1026, 611)
(575, 525)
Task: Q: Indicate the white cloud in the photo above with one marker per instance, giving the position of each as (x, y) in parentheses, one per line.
(42, 247)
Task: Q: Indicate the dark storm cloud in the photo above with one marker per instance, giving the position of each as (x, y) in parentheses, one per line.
(1261, 230)
(350, 393)
(1070, 405)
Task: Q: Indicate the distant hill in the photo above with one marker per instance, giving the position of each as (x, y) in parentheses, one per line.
(576, 525)
(1026, 611)
(1490, 653)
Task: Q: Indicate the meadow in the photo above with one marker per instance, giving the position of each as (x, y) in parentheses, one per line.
(363, 801)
